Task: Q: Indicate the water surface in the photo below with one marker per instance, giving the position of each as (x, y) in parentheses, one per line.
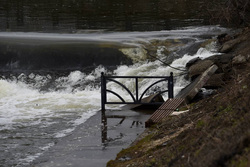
(52, 54)
(114, 15)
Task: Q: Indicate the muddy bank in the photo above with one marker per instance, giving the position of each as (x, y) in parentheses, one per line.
(216, 130)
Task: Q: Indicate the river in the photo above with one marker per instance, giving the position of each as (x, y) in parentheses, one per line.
(53, 52)
(115, 15)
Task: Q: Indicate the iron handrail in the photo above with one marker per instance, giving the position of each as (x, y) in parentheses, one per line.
(136, 99)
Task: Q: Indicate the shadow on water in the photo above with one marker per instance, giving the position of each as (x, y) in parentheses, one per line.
(117, 124)
(126, 120)
(55, 57)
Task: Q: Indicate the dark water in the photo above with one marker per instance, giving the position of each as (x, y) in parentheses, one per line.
(115, 15)
(20, 55)
(84, 17)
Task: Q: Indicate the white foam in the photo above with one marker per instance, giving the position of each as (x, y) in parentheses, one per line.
(21, 103)
(76, 94)
(30, 158)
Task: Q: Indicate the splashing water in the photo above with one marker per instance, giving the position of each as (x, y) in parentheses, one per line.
(36, 109)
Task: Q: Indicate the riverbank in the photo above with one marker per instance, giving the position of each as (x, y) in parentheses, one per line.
(216, 130)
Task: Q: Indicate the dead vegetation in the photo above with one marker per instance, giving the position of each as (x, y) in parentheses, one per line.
(215, 132)
(232, 12)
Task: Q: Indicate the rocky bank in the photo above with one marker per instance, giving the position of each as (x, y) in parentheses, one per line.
(216, 130)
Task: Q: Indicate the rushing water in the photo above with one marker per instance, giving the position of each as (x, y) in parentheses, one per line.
(41, 102)
(52, 54)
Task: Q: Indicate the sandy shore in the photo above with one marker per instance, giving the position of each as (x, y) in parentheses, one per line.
(84, 147)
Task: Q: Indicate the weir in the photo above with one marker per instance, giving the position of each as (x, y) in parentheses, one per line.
(52, 54)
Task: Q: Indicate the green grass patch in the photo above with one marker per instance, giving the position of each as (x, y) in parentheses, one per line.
(200, 124)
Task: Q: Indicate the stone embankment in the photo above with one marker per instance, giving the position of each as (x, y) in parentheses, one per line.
(216, 130)
(233, 49)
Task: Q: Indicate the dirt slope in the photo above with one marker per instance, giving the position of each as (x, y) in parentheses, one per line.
(216, 130)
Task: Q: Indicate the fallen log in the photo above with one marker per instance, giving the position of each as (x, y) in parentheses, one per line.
(192, 89)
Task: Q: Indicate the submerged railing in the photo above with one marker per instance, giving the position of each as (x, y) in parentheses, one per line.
(135, 97)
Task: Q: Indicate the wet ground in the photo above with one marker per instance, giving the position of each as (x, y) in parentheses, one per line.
(86, 146)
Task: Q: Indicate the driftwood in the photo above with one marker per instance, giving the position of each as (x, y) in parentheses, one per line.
(187, 94)
(192, 89)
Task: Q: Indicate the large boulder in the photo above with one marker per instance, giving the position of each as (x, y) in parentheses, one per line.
(192, 62)
(239, 59)
(215, 81)
(224, 38)
(223, 62)
(231, 44)
(221, 59)
(199, 67)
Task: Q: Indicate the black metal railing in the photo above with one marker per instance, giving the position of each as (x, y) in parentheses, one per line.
(136, 99)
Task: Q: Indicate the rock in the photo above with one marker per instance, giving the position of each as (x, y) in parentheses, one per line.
(221, 59)
(199, 68)
(215, 81)
(224, 38)
(239, 59)
(230, 45)
(192, 62)
(223, 62)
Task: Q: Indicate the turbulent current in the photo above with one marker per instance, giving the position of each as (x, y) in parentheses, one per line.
(50, 83)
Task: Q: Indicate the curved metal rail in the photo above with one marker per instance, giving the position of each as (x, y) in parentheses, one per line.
(135, 98)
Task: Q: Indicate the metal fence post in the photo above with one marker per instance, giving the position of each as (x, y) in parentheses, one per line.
(171, 86)
(103, 91)
(136, 89)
